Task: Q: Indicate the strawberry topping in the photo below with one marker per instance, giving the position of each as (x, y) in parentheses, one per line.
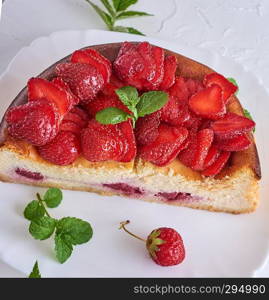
(237, 143)
(166, 147)
(208, 103)
(36, 122)
(84, 80)
(227, 87)
(170, 66)
(62, 150)
(211, 157)
(218, 165)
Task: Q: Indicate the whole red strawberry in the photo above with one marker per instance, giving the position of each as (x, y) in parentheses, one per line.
(164, 245)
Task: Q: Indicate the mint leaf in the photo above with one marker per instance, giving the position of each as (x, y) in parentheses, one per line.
(108, 6)
(63, 248)
(128, 96)
(151, 102)
(127, 30)
(42, 228)
(75, 231)
(105, 17)
(111, 115)
(116, 4)
(132, 14)
(248, 115)
(124, 4)
(35, 272)
(233, 81)
(34, 210)
(53, 197)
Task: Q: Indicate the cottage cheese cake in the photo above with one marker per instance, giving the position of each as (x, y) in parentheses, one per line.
(93, 122)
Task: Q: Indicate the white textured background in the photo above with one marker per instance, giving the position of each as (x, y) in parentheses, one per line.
(235, 28)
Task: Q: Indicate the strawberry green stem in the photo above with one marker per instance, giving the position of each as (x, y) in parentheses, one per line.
(41, 202)
(122, 226)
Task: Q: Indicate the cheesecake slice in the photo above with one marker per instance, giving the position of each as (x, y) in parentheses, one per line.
(234, 189)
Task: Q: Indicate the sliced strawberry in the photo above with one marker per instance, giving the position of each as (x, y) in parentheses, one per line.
(193, 122)
(95, 59)
(62, 150)
(232, 124)
(36, 122)
(180, 90)
(84, 80)
(211, 157)
(170, 66)
(208, 103)
(39, 88)
(157, 54)
(102, 102)
(227, 87)
(75, 118)
(81, 112)
(175, 112)
(64, 86)
(127, 133)
(115, 82)
(70, 126)
(186, 156)
(166, 147)
(237, 143)
(108, 142)
(204, 141)
(146, 128)
(194, 86)
(218, 165)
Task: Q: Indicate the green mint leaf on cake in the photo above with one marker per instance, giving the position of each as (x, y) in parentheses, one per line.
(248, 115)
(151, 102)
(53, 197)
(111, 115)
(42, 228)
(69, 231)
(35, 272)
(76, 230)
(233, 81)
(63, 248)
(115, 10)
(146, 104)
(34, 210)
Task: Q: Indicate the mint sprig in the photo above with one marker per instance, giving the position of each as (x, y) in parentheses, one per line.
(69, 231)
(117, 10)
(248, 115)
(35, 271)
(146, 104)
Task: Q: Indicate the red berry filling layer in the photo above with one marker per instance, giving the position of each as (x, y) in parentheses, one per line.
(193, 125)
(124, 188)
(29, 174)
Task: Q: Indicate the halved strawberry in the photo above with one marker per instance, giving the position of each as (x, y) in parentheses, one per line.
(166, 147)
(70, 126)
(227, 87)
(218, 165)
(204, 141)
(193, 86)
(208, 103)
(63, 85)
(179, 89)
(232, 124)
(175, 111)
(62, 150)
(36, 122)
(211, 157)
(108, 142)
(170, 66)
(94, 58)
(237, 143)
(39, 88)
(146, 128)
(84, 80)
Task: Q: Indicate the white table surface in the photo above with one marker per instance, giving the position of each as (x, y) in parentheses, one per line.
(237, 29)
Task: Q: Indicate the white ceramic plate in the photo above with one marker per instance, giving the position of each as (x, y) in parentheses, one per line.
(216, 244)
